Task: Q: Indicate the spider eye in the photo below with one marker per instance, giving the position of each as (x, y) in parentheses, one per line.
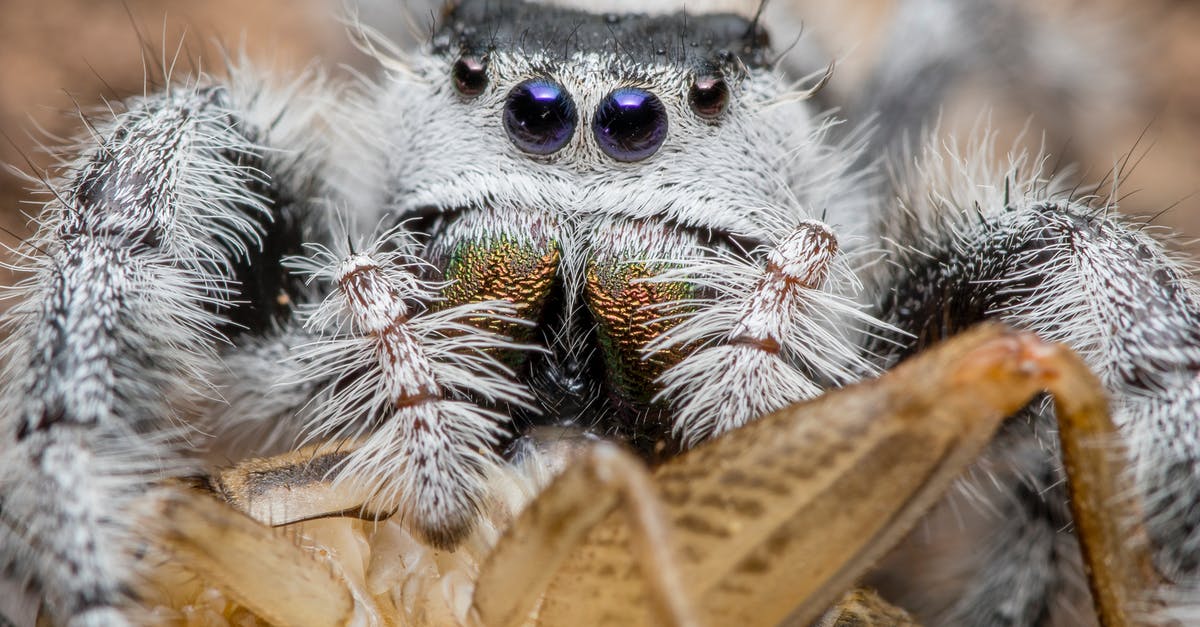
(470, 76)
(630, 124)
(539, 116)
(709, 96)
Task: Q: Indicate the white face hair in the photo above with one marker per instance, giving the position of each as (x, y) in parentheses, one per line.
(733, 183)
(757, 170)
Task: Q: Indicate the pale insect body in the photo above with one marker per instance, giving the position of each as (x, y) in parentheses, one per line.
(601, 220)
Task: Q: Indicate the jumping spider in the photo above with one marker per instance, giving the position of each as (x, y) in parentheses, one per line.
(397, 310)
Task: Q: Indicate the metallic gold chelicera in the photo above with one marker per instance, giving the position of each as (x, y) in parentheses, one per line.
(628, 318)
(503, 268)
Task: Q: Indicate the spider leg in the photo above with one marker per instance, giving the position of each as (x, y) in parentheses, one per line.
(1088, 278)
(157, 248)
(777, 519)
(718, 337)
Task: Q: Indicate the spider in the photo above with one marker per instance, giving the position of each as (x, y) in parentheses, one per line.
(404, 320)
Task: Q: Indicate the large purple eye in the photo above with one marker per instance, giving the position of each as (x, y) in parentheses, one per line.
(539, 116)
(630, 124)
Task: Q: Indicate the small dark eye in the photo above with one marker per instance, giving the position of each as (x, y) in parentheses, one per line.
(709, 97)
(630, 124)
(470, 76)
(539, 116)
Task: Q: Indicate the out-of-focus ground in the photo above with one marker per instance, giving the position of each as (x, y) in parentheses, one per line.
(1146, 82)
(57, 53)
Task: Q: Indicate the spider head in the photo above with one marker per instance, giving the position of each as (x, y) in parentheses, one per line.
(668, 115)
(591, 151)
(652, 66)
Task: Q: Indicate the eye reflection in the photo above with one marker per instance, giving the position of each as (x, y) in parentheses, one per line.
(630, 124)
(539, 116)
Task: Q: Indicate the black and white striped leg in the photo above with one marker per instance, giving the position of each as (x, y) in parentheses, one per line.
(156, 250)
(1086, 277)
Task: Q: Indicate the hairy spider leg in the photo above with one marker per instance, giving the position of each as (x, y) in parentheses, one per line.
(142, 265)
(710, 338)
(981, 245)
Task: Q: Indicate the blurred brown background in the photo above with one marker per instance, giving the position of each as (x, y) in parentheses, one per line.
(56, 53)
(1143, 62)
(57, 56)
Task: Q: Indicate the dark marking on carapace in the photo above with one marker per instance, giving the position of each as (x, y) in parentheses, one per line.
(703, 42)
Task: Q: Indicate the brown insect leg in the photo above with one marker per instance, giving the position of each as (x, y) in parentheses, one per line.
(255, 565)
(1116, 548)
(516, 573)
(294, 487)
(864, 608)
(772, 522)
(776, 520)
